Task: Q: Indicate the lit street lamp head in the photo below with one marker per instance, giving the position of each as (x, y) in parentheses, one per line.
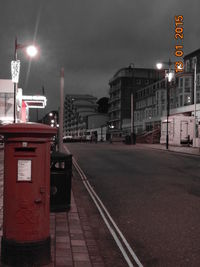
(31, 50)
(159, 66)
(170, 76)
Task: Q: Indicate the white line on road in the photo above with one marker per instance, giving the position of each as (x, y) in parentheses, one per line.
(103, 211)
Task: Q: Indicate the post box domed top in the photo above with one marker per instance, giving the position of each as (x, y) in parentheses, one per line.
(27, 129)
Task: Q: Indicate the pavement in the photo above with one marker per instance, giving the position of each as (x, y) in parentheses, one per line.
(72, 241)
(178, 149)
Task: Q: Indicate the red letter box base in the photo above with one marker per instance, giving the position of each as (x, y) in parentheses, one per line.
(25, 254)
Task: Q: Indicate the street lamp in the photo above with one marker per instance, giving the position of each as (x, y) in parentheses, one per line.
(169, 74)
(31, 51)
(195, 101)
(131, 68)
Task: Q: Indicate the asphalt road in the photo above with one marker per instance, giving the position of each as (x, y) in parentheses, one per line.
(154, 197)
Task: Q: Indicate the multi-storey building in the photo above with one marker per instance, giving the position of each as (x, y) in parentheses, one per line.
(126, 81)
(150, 93)
(151, 104)
(77, 109)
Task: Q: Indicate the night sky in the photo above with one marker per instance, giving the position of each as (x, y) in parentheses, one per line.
(91, 39)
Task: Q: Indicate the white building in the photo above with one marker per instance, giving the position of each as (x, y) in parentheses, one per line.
(180, 129)
(81, 115)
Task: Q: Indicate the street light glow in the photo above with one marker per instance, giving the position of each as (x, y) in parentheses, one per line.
(159, 66)
(31, 50)
(170, 76)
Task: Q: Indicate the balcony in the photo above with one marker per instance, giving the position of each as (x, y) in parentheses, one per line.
(113, 99)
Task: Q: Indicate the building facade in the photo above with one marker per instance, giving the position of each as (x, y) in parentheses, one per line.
(76, 109)
(126, 81)
(149, 88)
(151, 101)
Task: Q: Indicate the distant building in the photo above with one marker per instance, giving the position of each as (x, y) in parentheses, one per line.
(78, 110)
(97, 120)
(150, 96)
(6, 101)
(22, 103)
(151, 103)
(125, 81)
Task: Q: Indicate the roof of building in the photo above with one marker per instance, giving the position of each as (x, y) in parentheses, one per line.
(133, 72)
(194, 53)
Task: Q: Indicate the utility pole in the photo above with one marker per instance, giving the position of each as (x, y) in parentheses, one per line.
(195, 102)
(132, 119)
(168, 107)
(60, 144)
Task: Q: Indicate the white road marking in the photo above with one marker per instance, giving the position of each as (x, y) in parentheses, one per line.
(111, 225)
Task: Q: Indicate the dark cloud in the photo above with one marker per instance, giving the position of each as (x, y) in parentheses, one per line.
(91, 39)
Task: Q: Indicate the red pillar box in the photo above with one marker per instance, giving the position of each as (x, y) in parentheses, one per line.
(26, 218)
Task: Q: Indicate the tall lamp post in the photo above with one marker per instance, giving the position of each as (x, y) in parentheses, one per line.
(132, 109)
(60, 144)
(31, 51)
(168, 76)
(195, 102)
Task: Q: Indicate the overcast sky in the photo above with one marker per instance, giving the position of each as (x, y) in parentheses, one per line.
(91, 39)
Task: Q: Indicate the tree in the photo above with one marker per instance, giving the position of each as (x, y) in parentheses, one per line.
(103, 105)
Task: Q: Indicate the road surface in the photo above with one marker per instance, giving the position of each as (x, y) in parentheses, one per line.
(154, 197)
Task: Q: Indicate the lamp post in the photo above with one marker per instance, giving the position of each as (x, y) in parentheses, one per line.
(131, 68)
(132, 119)
(31, 51)
(195, 102)
(60, 144)
(168, 76)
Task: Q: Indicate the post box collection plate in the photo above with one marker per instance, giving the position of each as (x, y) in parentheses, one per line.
(24, 170)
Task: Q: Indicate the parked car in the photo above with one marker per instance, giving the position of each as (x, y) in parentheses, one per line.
(67, 138)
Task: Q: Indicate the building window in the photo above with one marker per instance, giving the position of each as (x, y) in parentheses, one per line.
(187, 65)
(138, 81)
(181, 100)
(181, 82)
(194, 60)
(187, 100)
(187, 82)
(163, 84)
(187, 90)
(198, 79)
(176, 101)
(146, 82)
(163, 107)
(198, 97)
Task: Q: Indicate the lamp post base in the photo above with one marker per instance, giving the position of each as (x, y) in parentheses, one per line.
(167, 141)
